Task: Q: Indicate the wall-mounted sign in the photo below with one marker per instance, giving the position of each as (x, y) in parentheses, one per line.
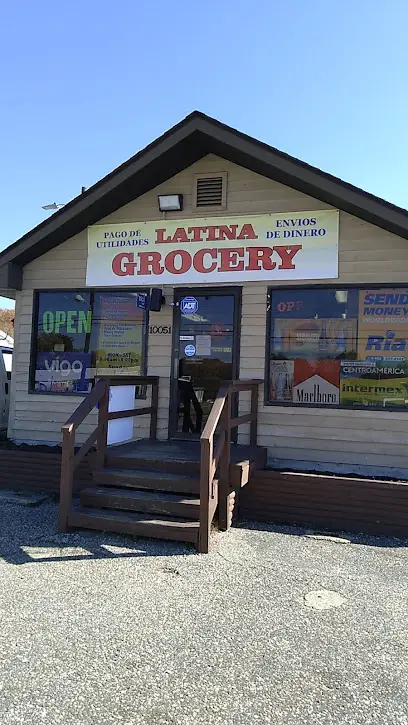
(189, 305)
(284, 246)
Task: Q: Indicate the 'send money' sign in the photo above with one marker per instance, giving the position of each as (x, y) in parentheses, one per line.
(283, 246)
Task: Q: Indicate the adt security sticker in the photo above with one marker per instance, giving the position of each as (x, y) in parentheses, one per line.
(189, 305)
(189, 350)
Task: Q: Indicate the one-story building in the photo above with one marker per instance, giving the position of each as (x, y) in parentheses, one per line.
(256, 266)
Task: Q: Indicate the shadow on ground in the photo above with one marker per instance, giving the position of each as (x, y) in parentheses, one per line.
(28, 536)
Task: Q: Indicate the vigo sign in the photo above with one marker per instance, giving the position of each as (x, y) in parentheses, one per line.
(302, 245)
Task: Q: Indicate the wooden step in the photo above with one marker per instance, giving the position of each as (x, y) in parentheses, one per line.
(170, 504)
(172, 465)
(144, 479)
(136, 524)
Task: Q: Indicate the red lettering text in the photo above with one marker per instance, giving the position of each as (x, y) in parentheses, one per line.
(150, 263)
(229, 260)
(197, 232)
(180, 236)
(170, 259)
(160, 236)
(229, 232)
(260, 258)
(198, 260)
(286, 254)
(123, 264)
(247, 232)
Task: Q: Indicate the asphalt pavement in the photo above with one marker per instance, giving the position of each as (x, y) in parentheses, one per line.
(273, 626)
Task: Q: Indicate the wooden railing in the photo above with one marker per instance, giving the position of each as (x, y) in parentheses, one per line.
(98, 396)
(215, 456)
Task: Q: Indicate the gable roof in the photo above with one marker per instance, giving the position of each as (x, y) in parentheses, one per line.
(194, 137)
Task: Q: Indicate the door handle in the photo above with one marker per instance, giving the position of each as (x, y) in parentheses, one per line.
(6, 388)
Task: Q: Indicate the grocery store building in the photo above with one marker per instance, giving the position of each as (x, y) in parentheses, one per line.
(209, 257)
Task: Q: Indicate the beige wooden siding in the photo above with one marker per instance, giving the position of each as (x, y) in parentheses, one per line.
(312, 436)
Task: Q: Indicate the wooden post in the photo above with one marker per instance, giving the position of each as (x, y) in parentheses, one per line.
(253, 434)
(153, 415)
(224, 518)
(67, 472)
(205, 495)
(102, 438)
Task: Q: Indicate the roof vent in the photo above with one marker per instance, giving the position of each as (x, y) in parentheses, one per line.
(211, 191)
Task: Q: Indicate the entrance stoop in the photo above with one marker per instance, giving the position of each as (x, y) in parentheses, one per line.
(161, 489)
(152, 489)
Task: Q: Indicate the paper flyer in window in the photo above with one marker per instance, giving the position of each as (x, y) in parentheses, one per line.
(281, 380)
(314, 338)
(119, 329)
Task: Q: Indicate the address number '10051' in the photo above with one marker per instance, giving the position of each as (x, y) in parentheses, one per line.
(159, 329)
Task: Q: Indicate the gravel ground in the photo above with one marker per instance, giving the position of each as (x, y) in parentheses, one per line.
(99, 629)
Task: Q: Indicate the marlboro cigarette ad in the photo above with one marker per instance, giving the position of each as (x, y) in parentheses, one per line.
(305, 381)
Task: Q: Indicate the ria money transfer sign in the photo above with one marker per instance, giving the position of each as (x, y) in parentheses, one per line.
(380, 375)
(383, 324)
(285, 246)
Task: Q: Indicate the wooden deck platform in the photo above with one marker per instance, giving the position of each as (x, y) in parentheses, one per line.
(185, 454)
(177, 450)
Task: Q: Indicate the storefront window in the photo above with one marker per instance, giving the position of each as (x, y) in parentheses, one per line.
(339, 347)
(81, 335)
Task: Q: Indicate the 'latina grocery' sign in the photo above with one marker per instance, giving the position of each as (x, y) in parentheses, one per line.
(302, 245)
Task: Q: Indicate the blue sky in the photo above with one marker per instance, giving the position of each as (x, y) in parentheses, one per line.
(86, 84)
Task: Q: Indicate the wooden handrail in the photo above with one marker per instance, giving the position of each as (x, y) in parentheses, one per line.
(219, 460)
(88, 403)
(98, 396)
(215, 413)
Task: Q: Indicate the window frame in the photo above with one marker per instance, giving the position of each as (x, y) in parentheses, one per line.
(92, 291)
(308, 406)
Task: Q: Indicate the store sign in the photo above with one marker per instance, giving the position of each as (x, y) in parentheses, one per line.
(377, 383)
(66, 321)
(65, 372)
(383, 324)
(302, 245)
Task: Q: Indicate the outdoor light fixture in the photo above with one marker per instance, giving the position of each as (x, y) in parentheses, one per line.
(52, 207)
(171, 202)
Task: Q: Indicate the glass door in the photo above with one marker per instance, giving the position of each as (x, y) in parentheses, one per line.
(205, 355)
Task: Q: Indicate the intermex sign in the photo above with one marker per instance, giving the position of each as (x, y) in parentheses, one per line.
(302, 245)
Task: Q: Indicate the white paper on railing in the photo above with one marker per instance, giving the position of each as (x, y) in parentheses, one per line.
(121, 397)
